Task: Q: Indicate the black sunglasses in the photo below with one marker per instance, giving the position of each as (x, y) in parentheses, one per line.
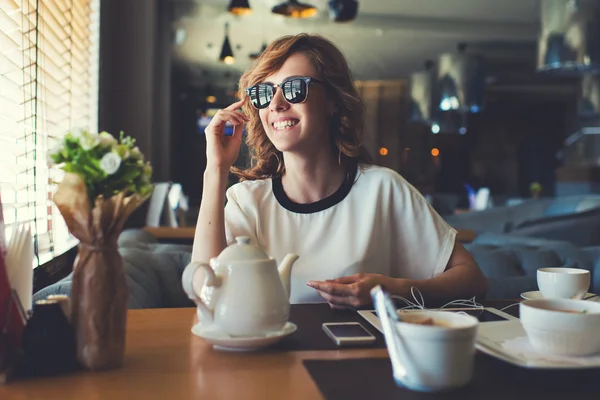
(295, 90)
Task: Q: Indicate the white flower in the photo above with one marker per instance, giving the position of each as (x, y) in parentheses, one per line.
(89, 140)
(110, 163)
(107, 140)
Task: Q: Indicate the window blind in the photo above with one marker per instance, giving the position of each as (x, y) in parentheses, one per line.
(48, 86)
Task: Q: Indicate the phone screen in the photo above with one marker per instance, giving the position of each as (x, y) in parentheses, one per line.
(348, 330)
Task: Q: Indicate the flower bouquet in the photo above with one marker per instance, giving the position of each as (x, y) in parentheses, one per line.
(105, 180)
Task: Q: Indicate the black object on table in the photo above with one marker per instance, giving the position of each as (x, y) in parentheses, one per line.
(48, 344)
(310, 335)
(371, 378)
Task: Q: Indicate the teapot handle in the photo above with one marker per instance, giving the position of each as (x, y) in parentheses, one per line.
(187, 280)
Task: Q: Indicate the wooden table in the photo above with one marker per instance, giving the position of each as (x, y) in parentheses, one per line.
(166, 232)
(164, 360)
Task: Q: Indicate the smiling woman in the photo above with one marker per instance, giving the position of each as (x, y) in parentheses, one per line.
(310, 189)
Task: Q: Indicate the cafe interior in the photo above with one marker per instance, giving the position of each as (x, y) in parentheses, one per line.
(488, 109)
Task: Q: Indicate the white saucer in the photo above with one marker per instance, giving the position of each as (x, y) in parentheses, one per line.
(222, 341)
(534, 295)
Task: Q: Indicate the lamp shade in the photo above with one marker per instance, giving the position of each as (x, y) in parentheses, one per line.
(570, 36)
(294, 9)
(239, 7)
(460, 82)
(421, 94)
(226, 55)
(343, 10)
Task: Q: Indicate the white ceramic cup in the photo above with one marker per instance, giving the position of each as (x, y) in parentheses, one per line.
(436, 358)
(563, 283)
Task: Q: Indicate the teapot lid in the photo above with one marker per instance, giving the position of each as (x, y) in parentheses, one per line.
(243, 250)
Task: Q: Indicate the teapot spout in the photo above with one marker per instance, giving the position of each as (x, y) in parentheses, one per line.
(285, 271)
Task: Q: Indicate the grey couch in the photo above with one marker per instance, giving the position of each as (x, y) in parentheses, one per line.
(575, 219)
(153, 272)
(509, 262)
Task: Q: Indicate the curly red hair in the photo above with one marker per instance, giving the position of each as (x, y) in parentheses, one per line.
(332, 67)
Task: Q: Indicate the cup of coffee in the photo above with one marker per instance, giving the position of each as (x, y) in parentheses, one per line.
(436, 349)
(563, 283)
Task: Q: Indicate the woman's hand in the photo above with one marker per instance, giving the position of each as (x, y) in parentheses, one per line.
(349, 291)
(221, 150)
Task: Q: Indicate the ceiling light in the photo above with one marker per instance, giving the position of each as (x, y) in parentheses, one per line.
(294, 9)
(226, 52)
(421, 94)
(460, 82)
(210, 95)
(569, 37)
(239, 7)
(343, 10)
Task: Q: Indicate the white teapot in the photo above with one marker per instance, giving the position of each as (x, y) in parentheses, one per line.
(244, 292)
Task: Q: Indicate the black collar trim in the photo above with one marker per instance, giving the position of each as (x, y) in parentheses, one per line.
(317, 206)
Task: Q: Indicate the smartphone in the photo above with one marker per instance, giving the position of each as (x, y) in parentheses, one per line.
(348, 333)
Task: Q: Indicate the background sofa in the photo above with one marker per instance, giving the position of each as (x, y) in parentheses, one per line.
(509, 262)
(153, 272)
(575, 219)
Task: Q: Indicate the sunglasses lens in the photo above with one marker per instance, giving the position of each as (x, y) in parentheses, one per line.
(295, 90)
(261, 95)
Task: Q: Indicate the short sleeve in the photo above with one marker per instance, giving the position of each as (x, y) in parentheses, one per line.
(427, 241)
(238, 222)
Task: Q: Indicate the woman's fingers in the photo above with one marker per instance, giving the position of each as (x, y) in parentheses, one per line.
(229, 116)
(336, 289)
(235, 105)
(344, 301)
(221, 119)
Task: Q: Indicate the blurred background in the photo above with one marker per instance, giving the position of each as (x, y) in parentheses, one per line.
(490, 108)
(460, 94)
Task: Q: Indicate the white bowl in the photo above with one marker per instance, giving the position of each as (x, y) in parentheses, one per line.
(553, 331)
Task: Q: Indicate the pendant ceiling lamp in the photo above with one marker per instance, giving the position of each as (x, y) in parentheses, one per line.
(210, 97)
(460, 81)
(239, 7)
(226, 55)
(570, 37)
(421, 94)
(343, 10)
(294, 9)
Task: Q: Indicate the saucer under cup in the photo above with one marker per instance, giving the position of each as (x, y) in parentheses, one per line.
(222, 341)
(563, 283)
